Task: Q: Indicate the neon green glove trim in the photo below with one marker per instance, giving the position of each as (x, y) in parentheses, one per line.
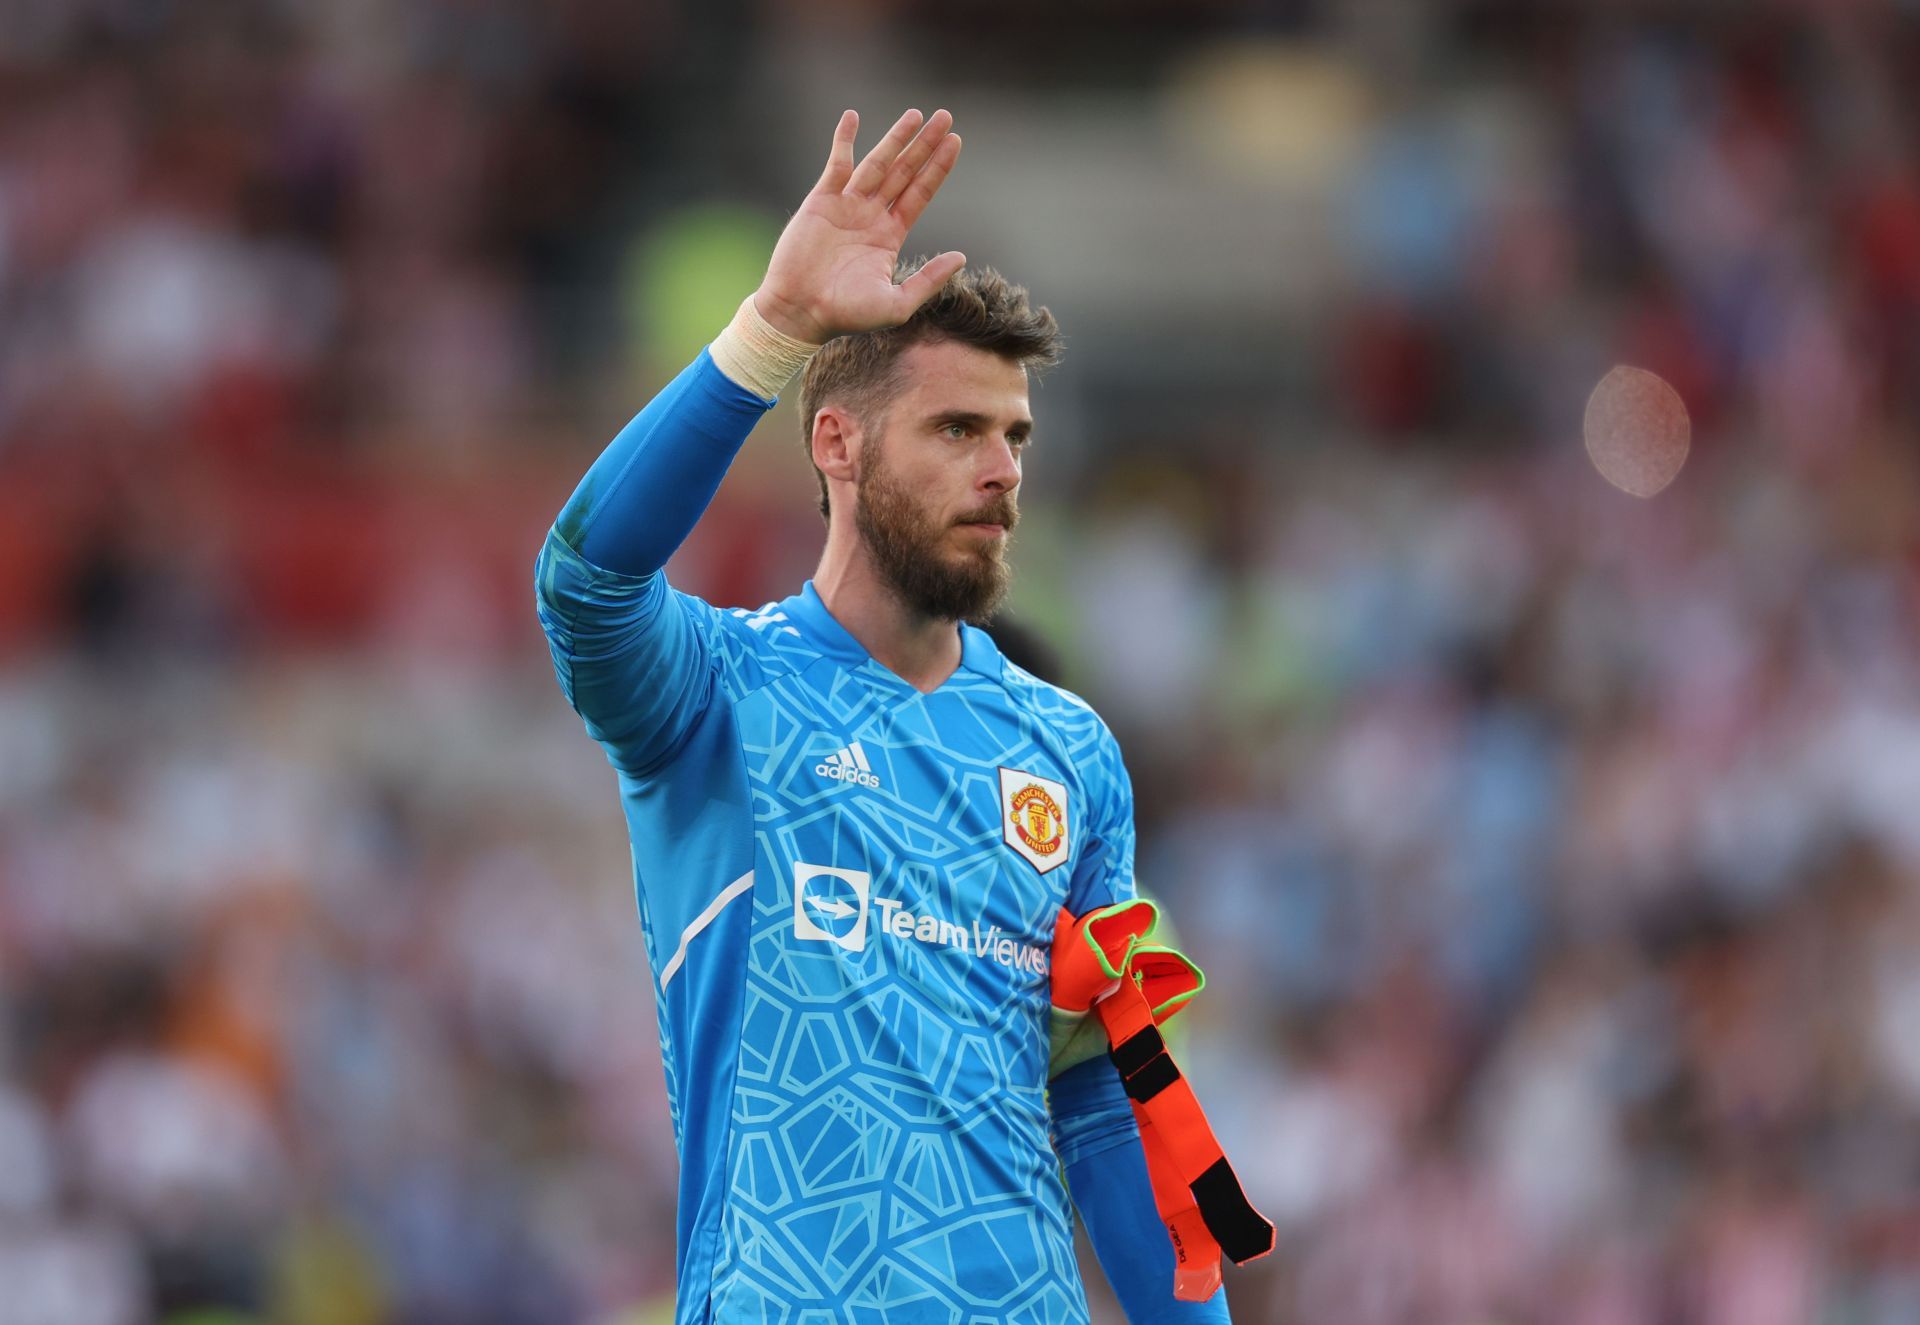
(1112, 971)
(1172, 1005)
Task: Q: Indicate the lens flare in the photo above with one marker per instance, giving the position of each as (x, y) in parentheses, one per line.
(1637, 430)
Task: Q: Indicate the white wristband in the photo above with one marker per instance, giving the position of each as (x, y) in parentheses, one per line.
(756, 355)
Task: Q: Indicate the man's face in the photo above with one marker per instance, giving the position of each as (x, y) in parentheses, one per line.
(935, 497)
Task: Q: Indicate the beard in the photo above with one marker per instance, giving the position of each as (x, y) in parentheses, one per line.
(907, 543)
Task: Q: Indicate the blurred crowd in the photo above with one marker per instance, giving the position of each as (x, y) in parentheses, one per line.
(1554, 856)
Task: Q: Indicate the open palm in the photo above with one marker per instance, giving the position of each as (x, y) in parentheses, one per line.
(832, 271)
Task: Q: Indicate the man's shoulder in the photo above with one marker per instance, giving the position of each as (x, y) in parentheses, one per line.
(763, 639)
(1053, 704)
(767, 622)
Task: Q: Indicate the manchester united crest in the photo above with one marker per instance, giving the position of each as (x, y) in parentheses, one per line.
(1033, 817)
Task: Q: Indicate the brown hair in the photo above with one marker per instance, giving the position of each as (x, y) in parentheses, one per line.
(977, 306)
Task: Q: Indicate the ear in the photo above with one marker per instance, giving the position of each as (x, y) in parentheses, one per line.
(836, 444)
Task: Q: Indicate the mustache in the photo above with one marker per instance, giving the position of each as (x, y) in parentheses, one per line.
(1002, 512)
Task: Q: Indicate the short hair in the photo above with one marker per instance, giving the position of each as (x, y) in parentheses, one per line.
(977, 307)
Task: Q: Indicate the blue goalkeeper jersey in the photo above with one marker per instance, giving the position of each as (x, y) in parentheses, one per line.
(848, 891)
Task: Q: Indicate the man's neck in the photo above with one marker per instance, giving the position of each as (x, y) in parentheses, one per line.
(922, 651)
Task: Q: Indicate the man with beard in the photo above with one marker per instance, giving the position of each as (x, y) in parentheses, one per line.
(854, 824)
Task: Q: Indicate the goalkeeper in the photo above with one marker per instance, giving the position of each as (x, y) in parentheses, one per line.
(854, 824)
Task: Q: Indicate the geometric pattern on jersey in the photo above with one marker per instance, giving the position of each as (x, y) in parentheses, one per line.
(856, 1046)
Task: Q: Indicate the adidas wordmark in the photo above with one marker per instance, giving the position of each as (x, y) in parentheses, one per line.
(848, 764)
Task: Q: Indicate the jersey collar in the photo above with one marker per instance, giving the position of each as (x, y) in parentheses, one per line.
(978, 652)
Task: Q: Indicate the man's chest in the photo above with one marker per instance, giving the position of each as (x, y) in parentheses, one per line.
(939, 829)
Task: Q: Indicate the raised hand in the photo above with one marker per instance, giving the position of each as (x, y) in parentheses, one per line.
(832, 271)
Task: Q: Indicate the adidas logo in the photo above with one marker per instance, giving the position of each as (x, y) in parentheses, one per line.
(848, 764)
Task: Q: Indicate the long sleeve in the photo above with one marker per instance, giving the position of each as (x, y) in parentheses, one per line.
(1099, 1144)
(631, 654)
(1094, 1132)
(652, 484)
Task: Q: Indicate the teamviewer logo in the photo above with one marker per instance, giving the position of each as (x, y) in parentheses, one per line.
(831, 904)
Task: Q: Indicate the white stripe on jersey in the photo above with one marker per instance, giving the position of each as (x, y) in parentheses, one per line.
(701, 921)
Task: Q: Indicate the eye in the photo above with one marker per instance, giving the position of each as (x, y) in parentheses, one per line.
(1019, 441)
(957, 431)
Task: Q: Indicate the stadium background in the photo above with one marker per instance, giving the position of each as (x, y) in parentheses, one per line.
(1553, 854)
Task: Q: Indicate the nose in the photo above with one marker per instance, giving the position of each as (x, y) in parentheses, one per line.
(1000, 467)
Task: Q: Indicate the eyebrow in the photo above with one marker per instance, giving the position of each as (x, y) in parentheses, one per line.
(975, 420)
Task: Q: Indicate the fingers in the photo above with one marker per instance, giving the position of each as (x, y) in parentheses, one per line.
(919, 191)
(916, 155)
(840, 156)
(923, 284)
(873, 170)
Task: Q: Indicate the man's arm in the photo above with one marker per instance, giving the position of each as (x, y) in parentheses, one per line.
(632, 659)
(1099, 1145)
(1094, 1132)
(630, 655)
